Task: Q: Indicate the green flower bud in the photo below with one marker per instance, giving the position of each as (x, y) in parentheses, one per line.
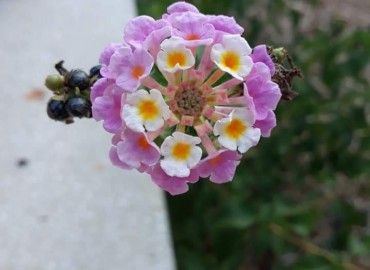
(280, 54)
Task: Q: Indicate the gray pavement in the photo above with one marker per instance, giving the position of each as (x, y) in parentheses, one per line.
(62, 205)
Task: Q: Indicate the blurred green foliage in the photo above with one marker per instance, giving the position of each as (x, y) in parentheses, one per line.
(300, 199)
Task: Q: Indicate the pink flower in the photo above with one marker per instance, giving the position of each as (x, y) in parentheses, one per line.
(224, 25)
(99, 88)
(145, 32)
(136, 150)
(128, 68)
(265, 93)
(193, 28)
(266, 124)
(260, 54)
(105, 56)
(172, 184)
(220, 166)
(181, 7)
(113, 156)
(108, 108)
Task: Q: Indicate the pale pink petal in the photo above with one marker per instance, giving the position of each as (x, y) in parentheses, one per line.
(124, 61)
(225, 24)
(265, 93)
(181, 7)
(260, 54)
(153, 41)
(219, 167)
(173, 185)
(107, 53)
(104, 58)
(134, 152)
(267, 124)
(107, 108)
(144, 31)
(99, 87)
(193, 28)
(116, 161)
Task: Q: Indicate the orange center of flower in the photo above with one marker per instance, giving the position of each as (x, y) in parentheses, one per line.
(214, 161)
(175, 58)
(143, 143)
(192, 37)
(231, 60)
(148, 109)
(235, 129)
(137, 71)
(181, 151)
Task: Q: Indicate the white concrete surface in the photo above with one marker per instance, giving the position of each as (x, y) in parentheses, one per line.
(68, 208)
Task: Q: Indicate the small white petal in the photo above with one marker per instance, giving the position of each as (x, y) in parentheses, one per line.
(236, 43)
(132, 119)
(154, 124)
(247, 116)
(195, 156)
(227, 142)
(246, 66)
(186, 138)
(216, 52)
(162, 60)
(134, 98)
(172, 43)
(249, 139)
(166, 147)
(218, 128)
(174, 168)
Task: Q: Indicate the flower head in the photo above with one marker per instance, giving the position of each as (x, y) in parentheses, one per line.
(185, 96)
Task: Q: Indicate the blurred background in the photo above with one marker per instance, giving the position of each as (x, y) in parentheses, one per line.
(301, 199)
(63, 206)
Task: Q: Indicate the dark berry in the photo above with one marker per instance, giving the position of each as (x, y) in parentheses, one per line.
(95, 71)
(79, 107)
(56, 110)
(77, 78)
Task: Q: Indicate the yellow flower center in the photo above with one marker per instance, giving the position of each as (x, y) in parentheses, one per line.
(137, 71)
(181, 151)
(176, 57)
(148, 109)
(235, 129)
(231, 60)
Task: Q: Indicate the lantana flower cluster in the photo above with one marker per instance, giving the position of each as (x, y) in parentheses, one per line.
(184, 97)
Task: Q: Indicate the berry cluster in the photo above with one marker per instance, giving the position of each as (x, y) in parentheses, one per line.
(71, 93)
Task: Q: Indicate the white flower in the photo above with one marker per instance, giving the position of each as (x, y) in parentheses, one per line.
(232, 56)
(174, 56)
(237, 131)
(145, 109)
(180, 154)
